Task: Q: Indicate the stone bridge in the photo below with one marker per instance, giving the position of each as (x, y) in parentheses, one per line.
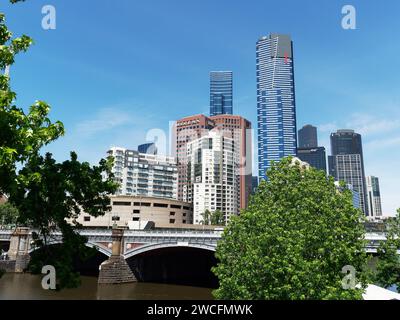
(119, 245)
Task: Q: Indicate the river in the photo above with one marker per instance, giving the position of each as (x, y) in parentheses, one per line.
(28, 287)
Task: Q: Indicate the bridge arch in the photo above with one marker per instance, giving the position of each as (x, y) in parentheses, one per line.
(89, 244)
(156, 246)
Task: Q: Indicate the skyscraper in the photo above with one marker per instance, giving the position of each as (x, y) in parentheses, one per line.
(347, 164)
(374, 197)
(308, 150)
(308, 137)
(221, 92)
(276, 105)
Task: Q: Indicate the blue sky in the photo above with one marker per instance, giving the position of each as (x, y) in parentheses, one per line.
(113, 70)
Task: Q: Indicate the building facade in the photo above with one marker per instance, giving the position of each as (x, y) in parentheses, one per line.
(276, 103)
(315, 156)
(221, 92)
(213, 177)
(347, 164)
(140, 210)
(308, 137)
(374, 197)
(144, 174)
(191, 128)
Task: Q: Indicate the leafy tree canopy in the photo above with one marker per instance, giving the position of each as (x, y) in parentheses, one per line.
(388, 266)
(8, 214)
(293, 240)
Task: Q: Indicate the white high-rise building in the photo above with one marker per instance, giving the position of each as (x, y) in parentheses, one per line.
(144, 174)
(213, 176)
(374, 197)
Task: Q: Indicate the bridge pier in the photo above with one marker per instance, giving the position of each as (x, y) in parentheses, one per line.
(19, 249)
(116, 270)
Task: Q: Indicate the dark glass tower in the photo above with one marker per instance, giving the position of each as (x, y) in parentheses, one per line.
(315, 157)
(221, 92)
(308, 137)
(347, 163)
(276, 103)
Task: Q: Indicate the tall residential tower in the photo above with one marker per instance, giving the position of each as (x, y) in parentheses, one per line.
(276, 103)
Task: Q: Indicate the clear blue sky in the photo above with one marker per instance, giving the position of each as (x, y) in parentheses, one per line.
(113, 70)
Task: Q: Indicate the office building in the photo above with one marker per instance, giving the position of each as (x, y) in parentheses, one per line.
(144, 174)
(308, 137)
(374, 197)
(316, 157)
(221, 92)
(347, 164)
(190, 128)
(276, 105)
(213, 180)
(148, 148)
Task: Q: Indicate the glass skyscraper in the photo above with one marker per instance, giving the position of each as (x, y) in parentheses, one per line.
(347, 164)
(221, 92)
(276, 103)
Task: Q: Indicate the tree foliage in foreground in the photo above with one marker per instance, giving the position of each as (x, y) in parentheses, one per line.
(293, 240)
(388, 266)
(8, 214)
(45, 192)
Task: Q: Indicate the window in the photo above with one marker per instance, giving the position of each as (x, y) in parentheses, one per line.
(116, 218)
(86, 219)
(145, 204)
(174, 206)
(171, 220)
(136, 204)
(136, 211)
(135, 219)
(122, 203)
(172, 213)
(160, 205)
(186, 208)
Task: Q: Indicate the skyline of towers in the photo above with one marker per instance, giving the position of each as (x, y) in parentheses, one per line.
(276, 105)
(277, 134)
(346, 162)
(221, 92)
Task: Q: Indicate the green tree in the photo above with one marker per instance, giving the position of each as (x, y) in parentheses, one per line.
(206, 217)
(8, 214)
(293, 240)
(217, 218)
(388, 265)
